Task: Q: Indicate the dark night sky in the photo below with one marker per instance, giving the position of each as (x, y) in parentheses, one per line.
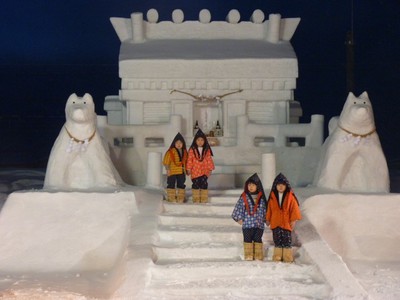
(50, 49)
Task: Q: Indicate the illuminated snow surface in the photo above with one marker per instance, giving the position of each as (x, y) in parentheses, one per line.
(345, 247)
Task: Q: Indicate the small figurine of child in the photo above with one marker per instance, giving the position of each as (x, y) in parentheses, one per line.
(200, 164)
(175, 160)
(282, 213)
(250, 212)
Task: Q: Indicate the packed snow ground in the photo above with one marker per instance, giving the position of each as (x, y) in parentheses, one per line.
(345, 247)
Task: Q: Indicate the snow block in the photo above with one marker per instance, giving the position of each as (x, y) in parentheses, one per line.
(355, 226)
(43, 232)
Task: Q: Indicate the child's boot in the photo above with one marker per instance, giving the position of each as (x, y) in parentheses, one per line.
(180, 197)
(196, 195)
(203, 196)
(171, 195)
(258, 251)
(277, 256)
(248, 251)
(288, 255)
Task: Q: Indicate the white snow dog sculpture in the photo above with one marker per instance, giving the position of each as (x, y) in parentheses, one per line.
(352, 159)
(78, 159)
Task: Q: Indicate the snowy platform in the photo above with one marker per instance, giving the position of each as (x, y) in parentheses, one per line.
(64, 234)
(332, 261)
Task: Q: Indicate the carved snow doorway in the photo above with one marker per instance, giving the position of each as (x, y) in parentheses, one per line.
(208, 112)
(207, 115)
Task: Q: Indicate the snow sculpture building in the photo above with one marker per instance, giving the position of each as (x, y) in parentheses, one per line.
(235, 79)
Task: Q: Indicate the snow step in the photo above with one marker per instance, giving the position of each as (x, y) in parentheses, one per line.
(170, 254)
(231, 200)
(200, 220)
(237, 280)
(197, 251)
(203, 209)
(168, 234)
(225, 200)
(225, 192)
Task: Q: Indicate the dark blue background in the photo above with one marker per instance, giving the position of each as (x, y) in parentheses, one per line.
(50, 49)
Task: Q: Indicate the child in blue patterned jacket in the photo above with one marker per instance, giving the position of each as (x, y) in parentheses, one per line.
(250, 212)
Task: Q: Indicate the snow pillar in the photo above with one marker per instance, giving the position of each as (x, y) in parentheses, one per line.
(137, 27)
(242, 137)
(154, 166)
(268, 169)
(316, 137)
(274, 26)
(176, 123)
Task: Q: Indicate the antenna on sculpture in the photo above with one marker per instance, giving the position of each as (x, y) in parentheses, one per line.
(204, 98)
(350, 52)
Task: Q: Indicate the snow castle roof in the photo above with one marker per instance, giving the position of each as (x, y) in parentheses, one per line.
(254, 49)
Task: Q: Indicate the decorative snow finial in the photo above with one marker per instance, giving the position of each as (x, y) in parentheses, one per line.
(274, 28)
(178, 16)
(257, 17)
(204, 16)
(204, 98)
(233, 16)
(152, 15)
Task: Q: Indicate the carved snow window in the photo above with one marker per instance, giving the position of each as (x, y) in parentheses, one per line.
(123, 142)
(264, 141)
(270, 112)
(156, 112)
(296, 141)
(154, 142)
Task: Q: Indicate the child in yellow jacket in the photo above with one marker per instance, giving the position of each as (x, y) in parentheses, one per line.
(174, 161)
(282, 213)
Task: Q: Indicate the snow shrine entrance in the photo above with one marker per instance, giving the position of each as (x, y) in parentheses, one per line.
(174, 73)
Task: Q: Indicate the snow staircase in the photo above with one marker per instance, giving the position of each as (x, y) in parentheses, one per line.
(198, 254)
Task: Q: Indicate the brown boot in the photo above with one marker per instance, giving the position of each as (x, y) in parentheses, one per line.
(248, 251)
(277, 256)
(171, 195)
(180, 197)
(288, 255)
(203, 196)
(258, 251)
(196, 196)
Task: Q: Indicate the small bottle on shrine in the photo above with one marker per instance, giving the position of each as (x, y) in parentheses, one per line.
(195, 128)
(218, 130)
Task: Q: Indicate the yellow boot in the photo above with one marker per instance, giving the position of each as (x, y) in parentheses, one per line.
(277, 256)
(180, 197)
(196, 196)
(258, 251)
(171, 195)
(288, 255)
(203, 196)
(248, 251)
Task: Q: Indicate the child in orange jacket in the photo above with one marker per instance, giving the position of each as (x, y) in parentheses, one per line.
(282, 213)
(199, 166)
(174, 161)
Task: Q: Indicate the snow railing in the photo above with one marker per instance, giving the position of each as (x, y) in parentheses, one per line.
(136, 30)
(140, 136)
(278, 135)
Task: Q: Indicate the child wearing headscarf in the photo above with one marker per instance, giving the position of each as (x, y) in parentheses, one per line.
(282, 213)
(174, 161)
(250, 212)
(200, 164)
